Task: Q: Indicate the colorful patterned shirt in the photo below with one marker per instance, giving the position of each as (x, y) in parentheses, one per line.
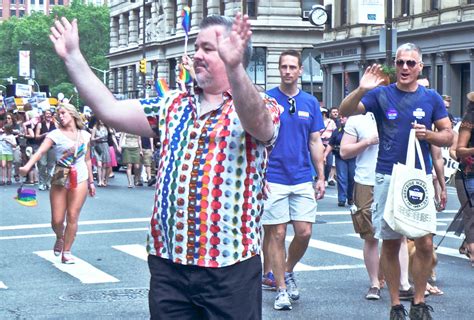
(208, 197)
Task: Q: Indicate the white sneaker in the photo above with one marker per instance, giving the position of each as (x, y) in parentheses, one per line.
(291, 286)
(282, 300)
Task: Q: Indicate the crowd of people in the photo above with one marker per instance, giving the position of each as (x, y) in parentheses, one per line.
(233, 158)
(24, 129)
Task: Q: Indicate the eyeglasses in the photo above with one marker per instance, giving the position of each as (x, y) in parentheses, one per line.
(410, 63)
(292, 103)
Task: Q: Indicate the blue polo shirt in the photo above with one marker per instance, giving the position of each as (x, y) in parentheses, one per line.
(395, 111)
(289, 163)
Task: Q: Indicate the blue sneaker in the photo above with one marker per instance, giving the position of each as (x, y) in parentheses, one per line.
(268, 281)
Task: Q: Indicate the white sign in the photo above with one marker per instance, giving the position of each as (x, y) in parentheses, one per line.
(24, 63)
(22, 90)
(371, 11)
(450, 165)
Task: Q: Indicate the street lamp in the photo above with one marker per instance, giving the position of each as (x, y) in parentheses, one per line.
(104, 74)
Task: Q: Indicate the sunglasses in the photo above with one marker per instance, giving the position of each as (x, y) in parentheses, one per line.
(410, 63)
(292, 103)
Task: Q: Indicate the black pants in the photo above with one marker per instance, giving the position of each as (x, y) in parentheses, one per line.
(190, 292)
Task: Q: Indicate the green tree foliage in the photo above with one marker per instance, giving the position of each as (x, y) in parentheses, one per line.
(32, 33)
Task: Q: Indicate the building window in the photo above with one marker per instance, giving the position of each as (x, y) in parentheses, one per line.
(13, 1)
(32, 1)
(344, 12)
(51, 2)
(222, 7)
(434, 4)
(60, 2)
(439, 79)
(470, 1)
(21, 1)
(250, 8)
(175, 19)
(12, 13)
(257, 67)
(405, 8)
(21, 13)
(41, 1)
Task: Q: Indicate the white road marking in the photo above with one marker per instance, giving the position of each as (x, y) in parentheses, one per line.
(304, 267)
(450, 252)
(81, 223)
(46, 235)
(135, 250)
(2, 285)
(81, 270)
(335, 248)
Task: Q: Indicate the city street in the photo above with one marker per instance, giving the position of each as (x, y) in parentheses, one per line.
(110, 278)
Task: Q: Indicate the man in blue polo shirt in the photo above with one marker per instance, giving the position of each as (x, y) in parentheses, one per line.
(398, 108)
(292, 192)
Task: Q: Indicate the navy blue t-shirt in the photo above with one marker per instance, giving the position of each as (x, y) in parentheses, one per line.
(289, 163)
(395, 111)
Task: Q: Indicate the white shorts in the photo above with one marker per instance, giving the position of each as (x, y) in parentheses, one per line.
(290, 203)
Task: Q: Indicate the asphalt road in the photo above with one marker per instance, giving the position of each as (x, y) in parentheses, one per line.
(111, 277)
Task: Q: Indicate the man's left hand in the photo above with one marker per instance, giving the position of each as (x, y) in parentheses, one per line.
(231, 47)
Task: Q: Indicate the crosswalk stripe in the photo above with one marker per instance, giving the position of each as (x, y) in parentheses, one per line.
(81, 270)
(135, 250)
(332, 247)
(450, 252)
(304, 267)
(45, 235)
(2, 285)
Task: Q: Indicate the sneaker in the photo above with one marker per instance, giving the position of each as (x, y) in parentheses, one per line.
(406, 294)
(291, 286)
(341, 204)
(58, 247)
(42, 187)
(373, 294)
(332, 183)
(151, 182)
(268, 281)
(398, 312)
(67, 258)
(420, 311)
(282, 301)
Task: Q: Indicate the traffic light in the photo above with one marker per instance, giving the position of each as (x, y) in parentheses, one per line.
(143, 66)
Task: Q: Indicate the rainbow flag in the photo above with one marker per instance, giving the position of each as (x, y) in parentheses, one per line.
(184, 74)
(186, 20)
(161, 87)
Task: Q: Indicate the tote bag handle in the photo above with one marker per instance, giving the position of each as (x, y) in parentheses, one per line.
(414, 146)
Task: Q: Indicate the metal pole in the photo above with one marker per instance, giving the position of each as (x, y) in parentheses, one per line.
(311, 71)
(143, 49)
(388, 34)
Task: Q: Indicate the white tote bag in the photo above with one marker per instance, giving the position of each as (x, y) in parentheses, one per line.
(410, 208)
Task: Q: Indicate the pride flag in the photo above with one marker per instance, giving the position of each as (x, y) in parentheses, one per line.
(161, 87)
(186, 20)
(184, 75)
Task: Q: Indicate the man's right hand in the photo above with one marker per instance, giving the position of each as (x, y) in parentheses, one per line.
(65, 37)
(372, 78)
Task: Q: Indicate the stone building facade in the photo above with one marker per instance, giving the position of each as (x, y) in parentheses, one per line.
(442, 29)
(277, 25)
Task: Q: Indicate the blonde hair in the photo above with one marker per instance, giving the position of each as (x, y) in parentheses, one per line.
(73, 112)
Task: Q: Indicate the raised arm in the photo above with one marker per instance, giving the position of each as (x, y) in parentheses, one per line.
(254, 116)
(351, 104)
(125, 115)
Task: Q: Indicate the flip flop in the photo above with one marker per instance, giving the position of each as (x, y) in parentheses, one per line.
(434, 290)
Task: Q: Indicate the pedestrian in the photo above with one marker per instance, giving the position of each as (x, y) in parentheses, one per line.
(326, 133)
(147, 158)
(292, 191)
(361, 140)
(131, 146)
(399, 107)
(101, 152)
(46, 163)
(465, 179)
(345, 168)
(204, 240)
(68, 191)
(7, 145)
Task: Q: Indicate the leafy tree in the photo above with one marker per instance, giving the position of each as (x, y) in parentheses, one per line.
(31, 33)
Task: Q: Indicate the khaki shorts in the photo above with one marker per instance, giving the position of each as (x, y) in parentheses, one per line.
(362, 216)
(290, 203)
(147, 157)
